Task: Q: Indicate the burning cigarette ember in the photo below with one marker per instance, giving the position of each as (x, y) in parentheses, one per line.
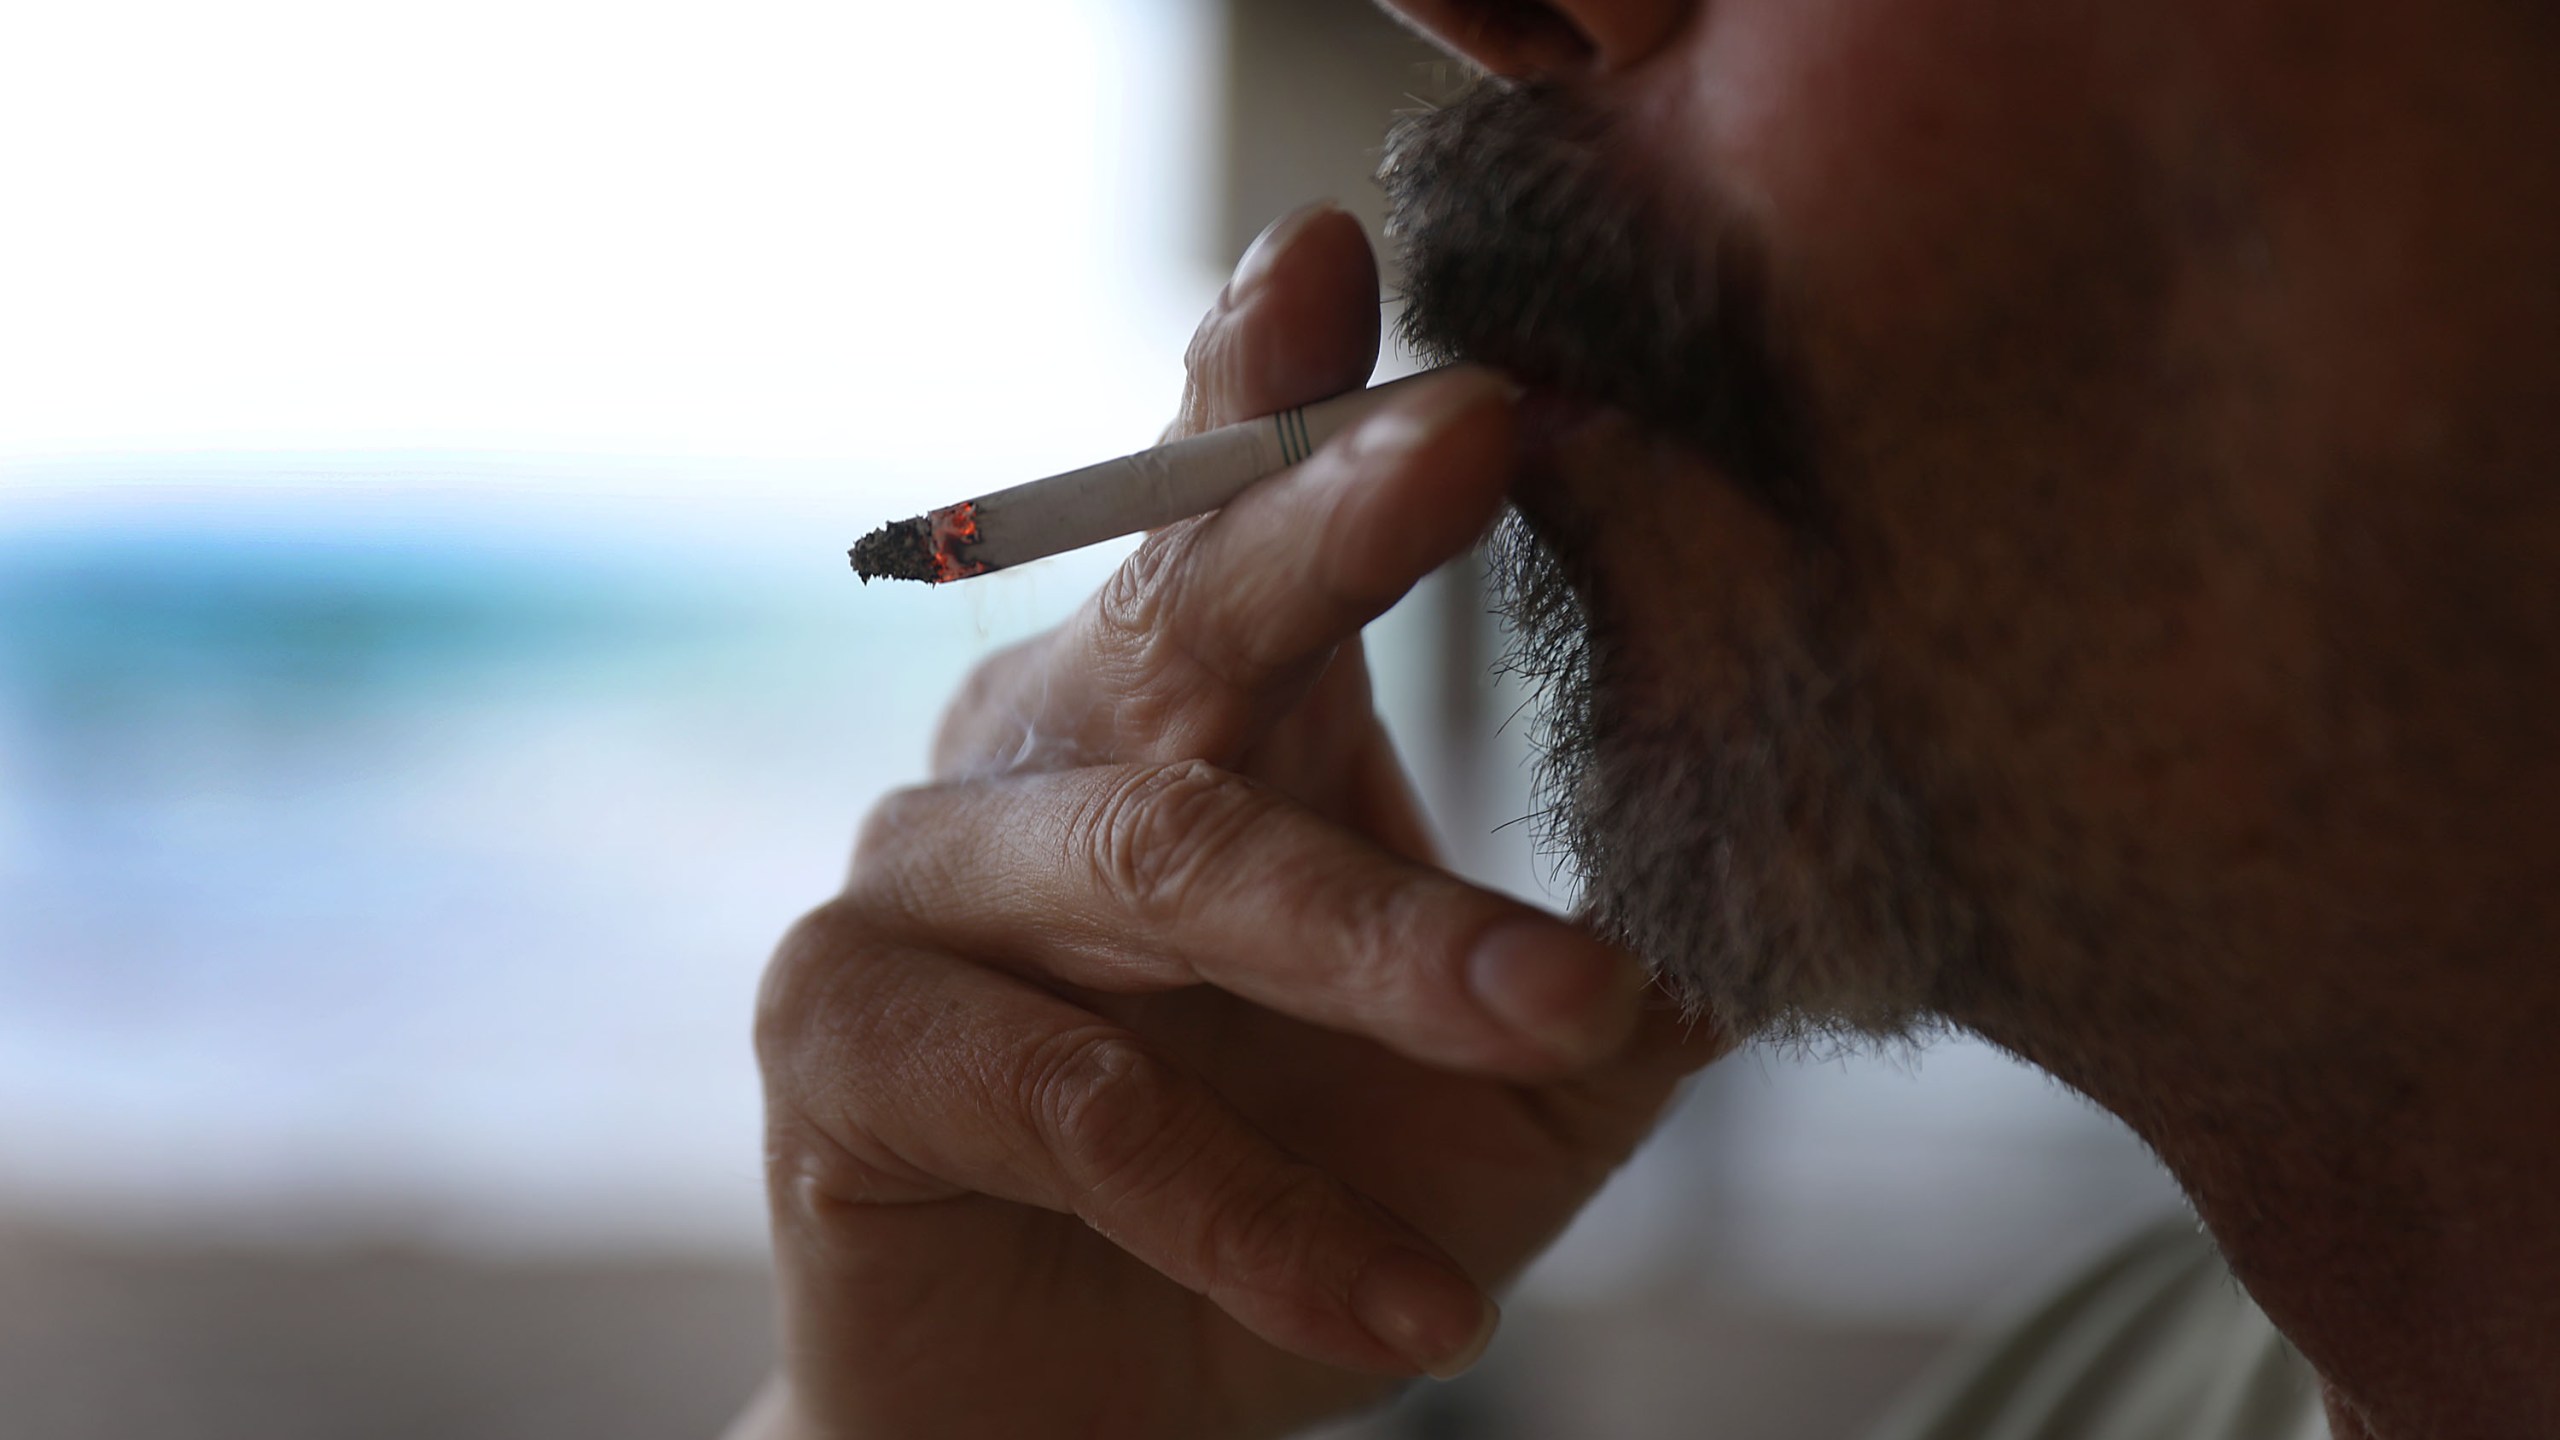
(932, 547)
(1102, 502)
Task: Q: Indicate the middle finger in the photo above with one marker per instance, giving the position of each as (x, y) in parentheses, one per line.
(1135, 879)
(1217, 626)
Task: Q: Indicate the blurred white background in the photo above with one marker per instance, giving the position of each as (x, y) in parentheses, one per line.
(428, 441)
(429, 678)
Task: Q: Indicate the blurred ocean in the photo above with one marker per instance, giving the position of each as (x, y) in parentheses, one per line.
(393, 847)
(398, 792)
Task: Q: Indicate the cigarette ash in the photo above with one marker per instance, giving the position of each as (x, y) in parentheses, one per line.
(932, 548)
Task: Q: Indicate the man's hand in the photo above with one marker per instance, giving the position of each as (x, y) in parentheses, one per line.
(1148, 1078)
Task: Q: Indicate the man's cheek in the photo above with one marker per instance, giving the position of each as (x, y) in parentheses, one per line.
(1890, 150)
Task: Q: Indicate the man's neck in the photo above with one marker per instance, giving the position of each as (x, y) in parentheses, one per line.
(2387, 1187)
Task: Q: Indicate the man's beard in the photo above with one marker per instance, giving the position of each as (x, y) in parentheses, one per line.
(1753, 839)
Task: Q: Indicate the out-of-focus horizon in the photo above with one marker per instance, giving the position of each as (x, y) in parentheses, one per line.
(430, 679)
(426, 662)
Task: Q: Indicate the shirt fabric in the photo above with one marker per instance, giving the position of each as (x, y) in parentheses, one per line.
(2155, 1341)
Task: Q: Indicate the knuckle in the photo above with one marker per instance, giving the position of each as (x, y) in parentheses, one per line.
(989, 701)
(808, 1176)
(921, 853)
(1207, 361)
(1388, 924)
(822, 1177)
(1159, 835)
(793, 984)
(902, 872)
(831, 1031)
(812, 990)
(984, 681)
(891, 824)
(1195, 355)
(1167, 648)
(1129, 609)
(1265, 1239)
(1105, 1107)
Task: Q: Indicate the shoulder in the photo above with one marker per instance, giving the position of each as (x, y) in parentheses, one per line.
(2152, 1341)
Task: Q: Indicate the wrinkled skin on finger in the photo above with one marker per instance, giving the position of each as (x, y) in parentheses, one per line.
(1298, 324)
(953, 1257)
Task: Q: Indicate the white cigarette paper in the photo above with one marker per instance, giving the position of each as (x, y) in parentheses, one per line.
(1117, 497)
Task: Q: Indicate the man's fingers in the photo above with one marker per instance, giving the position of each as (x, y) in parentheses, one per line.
(1216, 626)
(1143, 878)
(1246, 608)
(907, 1076)
(1297, 323)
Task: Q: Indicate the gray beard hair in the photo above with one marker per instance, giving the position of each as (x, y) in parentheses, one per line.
(1744, 828)
(1761, 855)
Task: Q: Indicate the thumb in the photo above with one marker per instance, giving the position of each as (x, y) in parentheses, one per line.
(1297, 323)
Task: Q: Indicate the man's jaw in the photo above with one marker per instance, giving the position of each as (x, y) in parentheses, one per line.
(1659, 544)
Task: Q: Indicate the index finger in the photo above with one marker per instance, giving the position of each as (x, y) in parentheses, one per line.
(1216, 626)
(1298, 323)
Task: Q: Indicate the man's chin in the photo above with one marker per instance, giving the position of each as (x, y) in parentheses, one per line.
(1709, 775)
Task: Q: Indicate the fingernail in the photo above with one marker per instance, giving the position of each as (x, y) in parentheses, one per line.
(1263, 255)
(1558, 986)
(1424, 1312)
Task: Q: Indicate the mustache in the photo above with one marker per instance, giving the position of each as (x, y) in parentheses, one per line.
(1525, 246)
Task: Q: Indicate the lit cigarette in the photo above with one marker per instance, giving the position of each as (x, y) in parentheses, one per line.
(1105, 501)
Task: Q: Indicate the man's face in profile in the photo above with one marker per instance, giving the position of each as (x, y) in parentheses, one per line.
(2007, 477)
